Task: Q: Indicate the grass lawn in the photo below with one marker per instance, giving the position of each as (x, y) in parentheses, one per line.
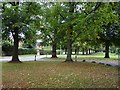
(98, 56)
(94, 56)
(40, 74)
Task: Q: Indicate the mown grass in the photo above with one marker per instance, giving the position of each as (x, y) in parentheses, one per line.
(94, 56)
(40, 74)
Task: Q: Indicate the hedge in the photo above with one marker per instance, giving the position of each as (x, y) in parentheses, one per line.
(7, 49)
(48, 52)
(23, 51)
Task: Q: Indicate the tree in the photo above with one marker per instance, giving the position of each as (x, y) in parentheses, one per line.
(13, 26)
(16, 19)
(51, 25)
(69, 17)
(110, 34)
(98, 19)
(73, 19)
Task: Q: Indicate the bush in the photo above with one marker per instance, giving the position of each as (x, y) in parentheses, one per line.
(7, 49)
(49, 52)
(119, 50)
(23, 51)
(44, 52)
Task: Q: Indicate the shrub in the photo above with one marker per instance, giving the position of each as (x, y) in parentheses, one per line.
(49, 52)
(44, 52)
(23, 51)
(7, 48)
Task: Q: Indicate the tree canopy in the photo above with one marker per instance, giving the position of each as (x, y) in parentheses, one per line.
(69, 23)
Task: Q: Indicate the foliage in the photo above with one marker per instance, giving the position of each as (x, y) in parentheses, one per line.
(74, 24)
(111, 28)
(7, 48)
(23, 51)
(22, 16)
(50, 24)
(18, 21)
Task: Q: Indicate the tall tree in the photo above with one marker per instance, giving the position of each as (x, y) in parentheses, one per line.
(77, 14)
(12, 25)
(110, 33)
(16, 18)
(51, 25)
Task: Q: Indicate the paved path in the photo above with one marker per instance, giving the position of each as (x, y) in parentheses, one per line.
(22, 58)
(43, 58)
(108, 62)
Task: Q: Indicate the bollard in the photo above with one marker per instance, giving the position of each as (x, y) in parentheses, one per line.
(35, 57)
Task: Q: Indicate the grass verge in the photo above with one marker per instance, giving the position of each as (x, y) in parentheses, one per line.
(40, 74)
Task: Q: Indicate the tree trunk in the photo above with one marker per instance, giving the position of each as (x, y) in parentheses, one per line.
(69, 32)
(107, 44)
(65, 50)
(83, 52)
(75, 51)
(15, 48)
(54, 55)
(78, 50)
(89, 51)
(69, 47)
(86, 52)
(95, 50)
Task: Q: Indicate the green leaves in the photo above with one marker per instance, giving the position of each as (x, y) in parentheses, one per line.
(22, 16)
(56, 18)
